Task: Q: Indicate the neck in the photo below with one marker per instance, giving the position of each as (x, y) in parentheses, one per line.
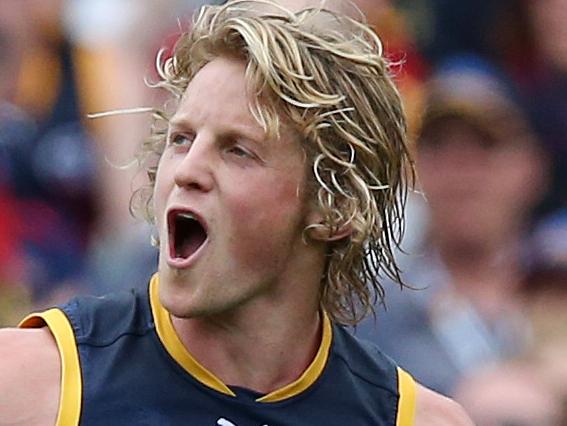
(261, 353)
(267, 342)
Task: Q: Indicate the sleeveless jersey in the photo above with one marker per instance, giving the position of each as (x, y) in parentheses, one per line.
(123, 364)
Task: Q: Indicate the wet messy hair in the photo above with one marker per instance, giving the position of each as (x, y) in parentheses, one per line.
(325, 74)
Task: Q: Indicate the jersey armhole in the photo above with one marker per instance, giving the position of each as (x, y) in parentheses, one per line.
(71, 384)
(406, 401)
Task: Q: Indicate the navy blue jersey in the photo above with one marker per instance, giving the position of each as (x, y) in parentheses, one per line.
(123, 364)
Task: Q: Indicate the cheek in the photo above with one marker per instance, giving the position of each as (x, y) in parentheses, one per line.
(267, 221)
(161, 191)
(272, 203)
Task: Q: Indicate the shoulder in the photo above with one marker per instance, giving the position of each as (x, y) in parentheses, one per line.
(365, 360)
(433, 409)
(417, 402)
(29, 368)
(102, 319)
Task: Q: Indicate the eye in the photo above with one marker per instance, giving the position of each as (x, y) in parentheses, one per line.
(180, 139)
(240, 152)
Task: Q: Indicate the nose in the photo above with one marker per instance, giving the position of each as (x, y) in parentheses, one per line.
(195, 170)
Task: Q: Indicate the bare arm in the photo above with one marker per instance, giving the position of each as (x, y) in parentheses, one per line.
(29, 377)
(433, 409)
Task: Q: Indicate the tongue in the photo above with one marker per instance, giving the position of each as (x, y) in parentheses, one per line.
(189, 245)
(190, 235)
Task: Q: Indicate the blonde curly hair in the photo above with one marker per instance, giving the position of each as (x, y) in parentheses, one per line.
(325, 73)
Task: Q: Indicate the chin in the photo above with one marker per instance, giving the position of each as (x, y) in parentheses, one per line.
(196, 312)
(181, 308)
(186, 305)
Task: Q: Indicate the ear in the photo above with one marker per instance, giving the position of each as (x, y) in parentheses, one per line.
(319, 231)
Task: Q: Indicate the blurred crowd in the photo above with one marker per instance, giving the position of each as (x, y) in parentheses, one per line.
(485, 88)
(486, 252)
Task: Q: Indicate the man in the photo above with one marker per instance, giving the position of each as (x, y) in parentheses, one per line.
(276, 203)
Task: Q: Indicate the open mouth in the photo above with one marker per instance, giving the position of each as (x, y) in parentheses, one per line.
(186, 234)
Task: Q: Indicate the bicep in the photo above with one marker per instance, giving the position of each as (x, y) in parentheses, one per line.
(29, 371)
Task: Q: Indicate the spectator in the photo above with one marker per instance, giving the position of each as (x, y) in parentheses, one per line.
(482, 173)
(531, 390)
(45, 182)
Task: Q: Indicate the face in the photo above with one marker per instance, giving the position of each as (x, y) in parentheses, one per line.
(478, 188)
(230, 204)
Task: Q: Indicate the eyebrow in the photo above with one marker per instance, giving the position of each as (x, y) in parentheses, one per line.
(177, 122)
(180, 122)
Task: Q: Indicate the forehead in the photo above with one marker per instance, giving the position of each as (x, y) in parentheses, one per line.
(220, 97)
(218, 93)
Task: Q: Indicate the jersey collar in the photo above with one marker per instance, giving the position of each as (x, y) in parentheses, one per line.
(181, 355)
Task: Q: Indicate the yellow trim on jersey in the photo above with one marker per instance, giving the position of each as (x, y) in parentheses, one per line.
(175, 347)
(406, 403)
(71, 384)
(312, 373)
(179, 353)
